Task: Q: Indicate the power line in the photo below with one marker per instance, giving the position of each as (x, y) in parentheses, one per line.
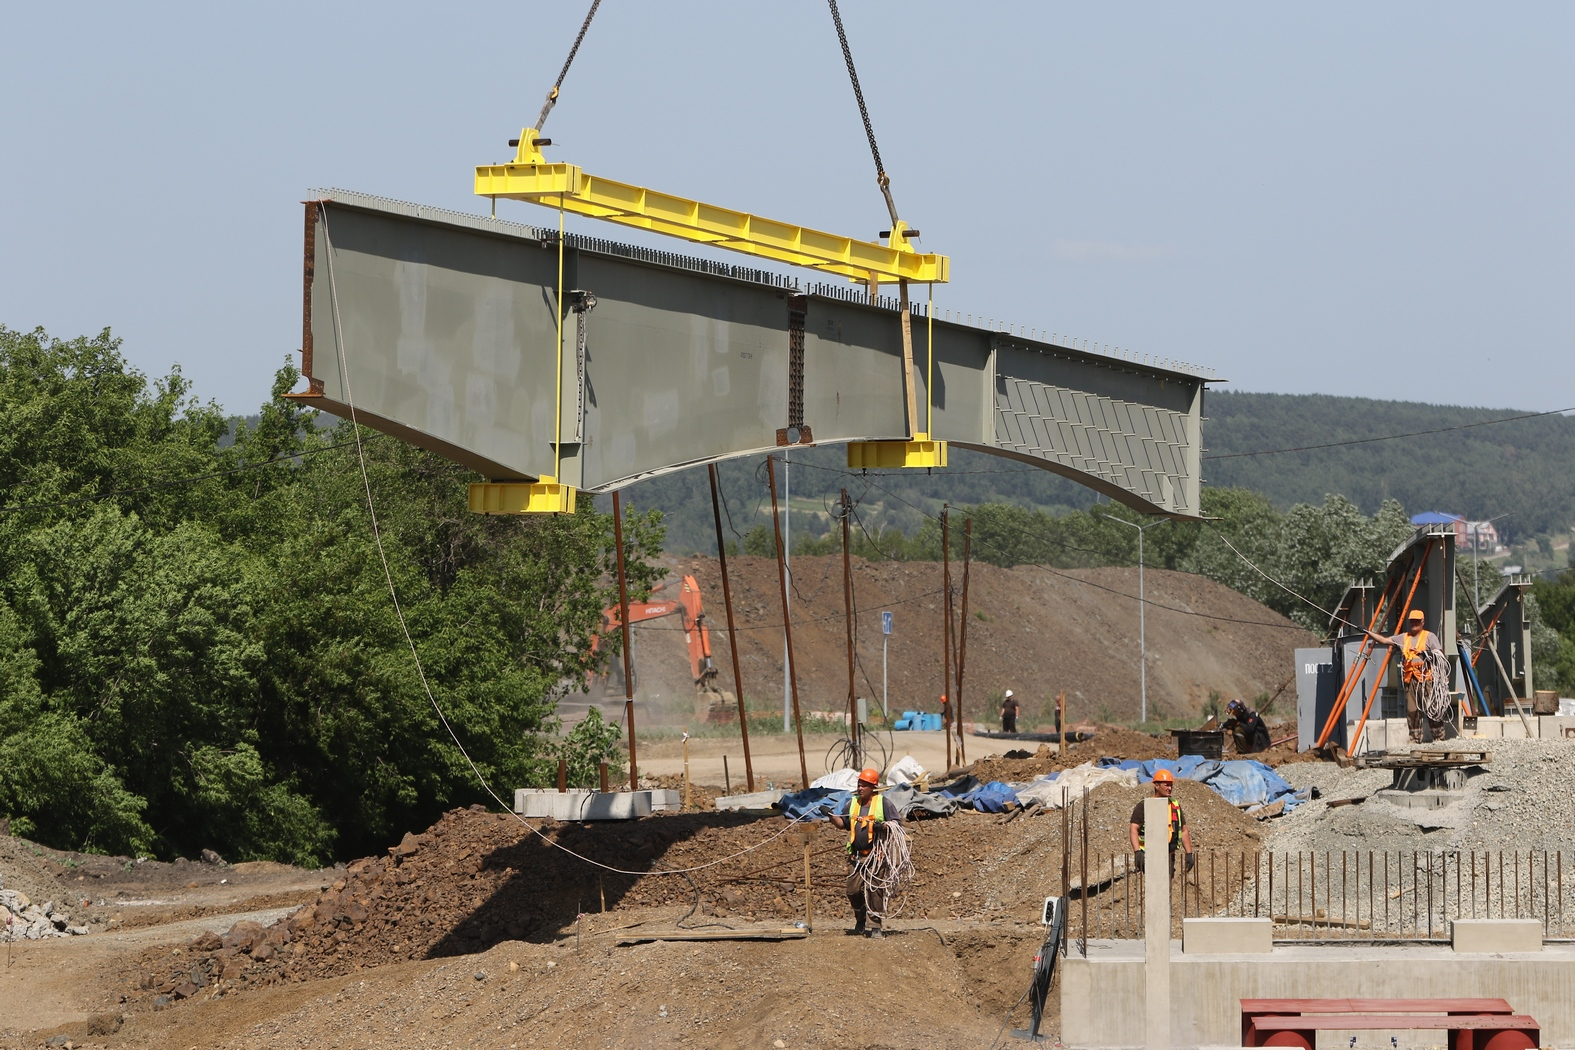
(1391, 437)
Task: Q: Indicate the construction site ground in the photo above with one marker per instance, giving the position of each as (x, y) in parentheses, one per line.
(482, 932)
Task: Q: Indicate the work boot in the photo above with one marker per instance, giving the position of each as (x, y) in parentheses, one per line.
(875, 934)
(858, 929)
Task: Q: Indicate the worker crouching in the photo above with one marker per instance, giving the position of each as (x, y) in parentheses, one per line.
(1176, 832)
(865, 818)
(1247, 728)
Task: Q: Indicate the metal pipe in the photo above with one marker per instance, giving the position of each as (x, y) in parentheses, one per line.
(732, 633)
(847, 617)
(1085, 872)
(962, 641)
(787, 622)
(628, 666)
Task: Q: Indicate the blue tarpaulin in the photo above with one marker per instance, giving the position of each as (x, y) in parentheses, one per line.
(814, 804)
(1241, 782)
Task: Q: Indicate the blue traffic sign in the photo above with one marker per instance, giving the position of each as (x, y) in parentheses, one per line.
(885, 623)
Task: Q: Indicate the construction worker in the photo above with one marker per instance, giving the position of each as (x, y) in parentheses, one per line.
(1247, 728)
(864, 818)
(1177, 830)
(1416, 671)
(1009, 709)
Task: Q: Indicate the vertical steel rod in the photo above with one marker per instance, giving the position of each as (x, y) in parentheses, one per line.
(1085, 872)
(787, 621)
(854, 729)
(947, 713)
(732, 633)
(628, 667)
(962, 642)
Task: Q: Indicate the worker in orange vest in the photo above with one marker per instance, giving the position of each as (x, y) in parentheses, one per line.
(864, 818)
(1416, 671)
(1176, 831)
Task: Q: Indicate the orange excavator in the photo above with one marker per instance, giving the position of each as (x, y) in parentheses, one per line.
(712, 704)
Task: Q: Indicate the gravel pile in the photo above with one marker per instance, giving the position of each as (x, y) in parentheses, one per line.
(21, 919)
(1523, 798)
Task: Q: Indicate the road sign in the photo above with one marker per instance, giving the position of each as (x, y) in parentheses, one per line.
(885, 623)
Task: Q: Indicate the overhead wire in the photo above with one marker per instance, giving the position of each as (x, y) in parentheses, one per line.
(1391, 437)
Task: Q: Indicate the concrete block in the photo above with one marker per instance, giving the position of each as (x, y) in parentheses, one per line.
(1227, 936)
(1398, 733)
(1374, 737)
(1489, 727)
(1556, 727)
(752, 800)
(1497, 935)
(666, 800)
(1515, 729)
(583, 805)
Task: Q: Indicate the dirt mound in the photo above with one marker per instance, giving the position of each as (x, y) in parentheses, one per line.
(1030, 629)
(477, 879)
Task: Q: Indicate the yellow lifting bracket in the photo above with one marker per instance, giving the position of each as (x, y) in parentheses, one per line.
(530, 177)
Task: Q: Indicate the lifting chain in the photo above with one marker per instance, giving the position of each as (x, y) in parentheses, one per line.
(869, 129)
(552, 96)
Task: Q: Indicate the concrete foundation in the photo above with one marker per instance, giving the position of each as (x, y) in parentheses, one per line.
(1227, 936)
(752, 800)
(580, 804)
(1103, 995)
(1496, 935)
(1555, 727)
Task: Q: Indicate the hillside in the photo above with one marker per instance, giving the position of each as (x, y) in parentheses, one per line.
(1030, 630)
(1518, 469)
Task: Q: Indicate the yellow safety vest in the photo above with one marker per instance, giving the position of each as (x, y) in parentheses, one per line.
(869, 818)
(1415, 667)
(1171, 825)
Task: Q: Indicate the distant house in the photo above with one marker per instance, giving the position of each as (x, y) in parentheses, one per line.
(1482, 532)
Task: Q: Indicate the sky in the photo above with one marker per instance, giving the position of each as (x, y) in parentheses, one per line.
(1345, 198)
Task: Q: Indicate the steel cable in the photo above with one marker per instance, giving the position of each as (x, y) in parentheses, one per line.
(881, 177)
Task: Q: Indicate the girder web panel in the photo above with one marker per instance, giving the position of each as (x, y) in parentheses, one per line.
(1128, 433)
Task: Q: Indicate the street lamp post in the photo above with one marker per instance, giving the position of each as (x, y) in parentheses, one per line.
(1142, 608)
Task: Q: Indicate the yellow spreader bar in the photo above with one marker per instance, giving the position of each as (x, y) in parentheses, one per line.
(531, 178)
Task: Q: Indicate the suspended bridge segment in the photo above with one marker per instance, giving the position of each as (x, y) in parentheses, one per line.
(443, 329)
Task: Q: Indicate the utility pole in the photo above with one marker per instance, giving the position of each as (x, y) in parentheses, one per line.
(1142, 619)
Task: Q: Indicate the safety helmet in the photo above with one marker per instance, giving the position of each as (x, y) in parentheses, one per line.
(1417, 614)
(1235, 705)
(1008, 694)
(869, 776)
(1164, 776)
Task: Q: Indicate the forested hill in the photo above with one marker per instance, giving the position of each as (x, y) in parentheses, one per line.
(1523, 469)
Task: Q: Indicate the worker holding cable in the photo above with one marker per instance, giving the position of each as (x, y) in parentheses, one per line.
(1177, 832)
(1418, 673)
(865, 818)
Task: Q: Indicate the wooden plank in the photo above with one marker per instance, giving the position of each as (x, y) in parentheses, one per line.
(791, 933)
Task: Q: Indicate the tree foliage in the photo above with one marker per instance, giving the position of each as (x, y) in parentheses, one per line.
(198, 645)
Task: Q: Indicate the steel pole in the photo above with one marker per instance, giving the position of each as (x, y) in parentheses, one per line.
(962, 640)
(732, 633)
(785, 556)
(1142, 636)
(947, 716)
(787, 623)
(628, 667)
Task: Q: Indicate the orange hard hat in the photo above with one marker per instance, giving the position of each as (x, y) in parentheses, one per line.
(869, 776)
(1417, 614)
(1164, 776)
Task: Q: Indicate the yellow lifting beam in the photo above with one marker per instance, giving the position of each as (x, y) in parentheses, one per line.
(530, 177)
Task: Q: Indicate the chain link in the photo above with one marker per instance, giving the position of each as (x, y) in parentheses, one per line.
(869, 129)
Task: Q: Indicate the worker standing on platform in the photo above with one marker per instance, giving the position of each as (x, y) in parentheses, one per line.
(865, 818)
(1009, 709)
(1177, 832)
(1247, 728)
(1418, 669)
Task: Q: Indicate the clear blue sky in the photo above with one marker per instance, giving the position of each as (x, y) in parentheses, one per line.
(1367, 199)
